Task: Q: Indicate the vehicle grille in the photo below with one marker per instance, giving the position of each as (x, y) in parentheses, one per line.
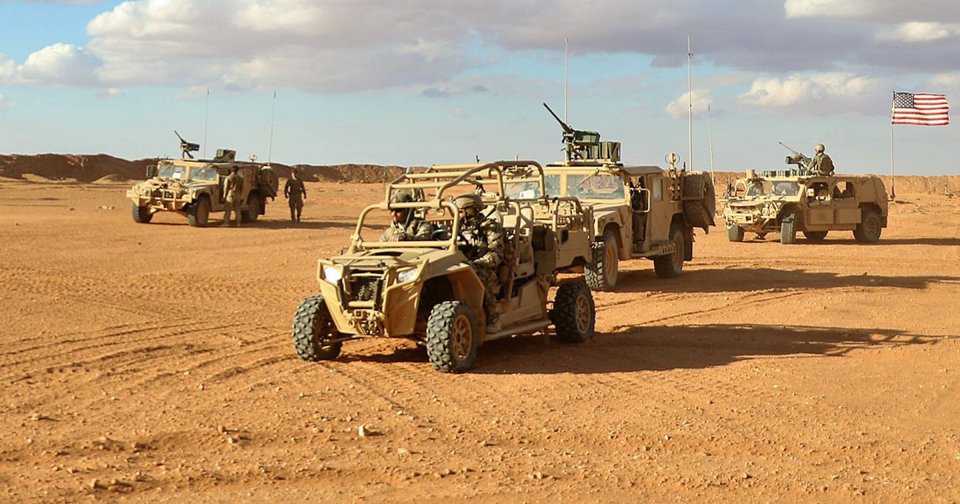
(363, 287)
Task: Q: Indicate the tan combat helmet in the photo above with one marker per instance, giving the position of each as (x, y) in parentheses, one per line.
(818, 148)
(465, 201)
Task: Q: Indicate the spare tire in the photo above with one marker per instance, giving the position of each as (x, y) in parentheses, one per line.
(699, 200)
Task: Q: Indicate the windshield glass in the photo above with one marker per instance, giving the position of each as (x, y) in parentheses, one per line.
(786, 188)
(176, 172)
(203, 173)
(171, 171)
(531, 189)
(595, 186)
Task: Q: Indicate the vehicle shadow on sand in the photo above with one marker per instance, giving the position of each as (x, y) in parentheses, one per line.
(661, 348)
(754, 279)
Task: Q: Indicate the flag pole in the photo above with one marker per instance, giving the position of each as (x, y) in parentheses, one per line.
(893, 178)
(689, 106)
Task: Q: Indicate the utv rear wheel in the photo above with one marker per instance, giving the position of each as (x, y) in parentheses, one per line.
(870, 227)
(573, 313)
(198, 215)
(788, 228)
(815, 235)
(253, 208)
(452, 337)
(602, 275)
(671, 265)
(735, 233)
(140, 214)
(312, 331)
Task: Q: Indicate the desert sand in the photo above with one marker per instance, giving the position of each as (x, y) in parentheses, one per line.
(154, 362)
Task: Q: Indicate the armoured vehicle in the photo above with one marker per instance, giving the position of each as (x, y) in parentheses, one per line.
(638, 211)
(194, 188)
(798, 200)
(429, 292)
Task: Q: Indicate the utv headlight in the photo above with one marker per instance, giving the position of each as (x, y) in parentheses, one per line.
(332, 274)
(407, 275)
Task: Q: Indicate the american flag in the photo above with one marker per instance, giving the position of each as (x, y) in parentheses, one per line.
(921, 109)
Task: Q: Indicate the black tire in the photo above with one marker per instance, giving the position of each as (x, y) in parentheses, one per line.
(788, 228)
(700, 211)
(870, 227)
(735, 233)
(141, 215)
(574, 314)
(452, 337)
(252, 212)
(602, 275)
(671, 265)
(312, 328)
(198, 214)
(815, 235)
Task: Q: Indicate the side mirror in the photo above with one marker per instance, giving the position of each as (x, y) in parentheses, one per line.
(151, 171)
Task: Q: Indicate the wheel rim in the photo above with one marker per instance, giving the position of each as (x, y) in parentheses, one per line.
(583, 314)
(872, 227)
(610, 258)
(678, 252)
(321, 328)
(462, 337)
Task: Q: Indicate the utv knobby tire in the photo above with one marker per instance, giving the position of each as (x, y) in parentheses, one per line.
(788, 228)
(815, 235)
(198, 214)
(602, 275)
(141, 215)
(452, 337)
(312, 328)
(252, 213)
(870, 227)
(671, 265)
(574, 313)
(735, 233)
(699, 211)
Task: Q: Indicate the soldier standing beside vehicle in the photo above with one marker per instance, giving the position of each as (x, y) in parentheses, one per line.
(406, 226)
(295, 191)
(821, 164)
(232, 190)
(484, 247)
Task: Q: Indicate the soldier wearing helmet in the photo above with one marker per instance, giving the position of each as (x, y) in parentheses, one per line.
(820, 164)
(406, 225)
(484, 247)
(295, 191)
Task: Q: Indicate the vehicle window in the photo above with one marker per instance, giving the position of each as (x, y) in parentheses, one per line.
(786, 188)
(595, 186)
(203, 173)
(658, 190)
(172, 172)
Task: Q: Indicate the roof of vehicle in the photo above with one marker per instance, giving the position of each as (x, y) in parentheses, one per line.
(629, 170)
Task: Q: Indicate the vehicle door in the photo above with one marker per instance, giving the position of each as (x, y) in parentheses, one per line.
(661, 209)
(845, 207)
(818, 210)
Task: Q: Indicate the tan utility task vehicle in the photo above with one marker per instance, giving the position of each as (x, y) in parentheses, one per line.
(429, 291)
(791, 201)
(638, 211)
(194, 188)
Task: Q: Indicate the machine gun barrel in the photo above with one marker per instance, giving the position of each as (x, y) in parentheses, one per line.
(795, 152)
(186, 147)
(566, 127)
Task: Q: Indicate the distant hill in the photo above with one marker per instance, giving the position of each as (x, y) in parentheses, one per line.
(105, 168)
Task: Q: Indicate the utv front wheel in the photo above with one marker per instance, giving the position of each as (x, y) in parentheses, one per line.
(573, 314)
(312, 331)
(140, 214)
(452, 337)
(602, 275)
(788, 228)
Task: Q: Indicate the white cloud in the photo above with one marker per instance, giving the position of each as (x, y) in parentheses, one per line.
(833, 92)
(828, 8)
(918, 32)
(55, 65)
(892, 11)
(701, 98)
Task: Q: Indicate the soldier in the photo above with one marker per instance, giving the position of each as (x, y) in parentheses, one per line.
(296, 193)
(484, 247)
(406, 226)
(821, 164)
(233, 191)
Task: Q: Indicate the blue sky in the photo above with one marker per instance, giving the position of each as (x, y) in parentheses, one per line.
(416, 82)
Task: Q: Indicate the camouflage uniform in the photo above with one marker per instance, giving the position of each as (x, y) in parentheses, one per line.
(295, 191)
(232, 189)
(821, 164)
(416, 230)
(485, 248)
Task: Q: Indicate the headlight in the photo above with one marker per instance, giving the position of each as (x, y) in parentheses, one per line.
(332, 274)
(407, 275)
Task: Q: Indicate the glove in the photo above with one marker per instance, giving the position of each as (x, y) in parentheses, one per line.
(398, 237)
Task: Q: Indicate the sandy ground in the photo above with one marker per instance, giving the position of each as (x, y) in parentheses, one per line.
(154, 362)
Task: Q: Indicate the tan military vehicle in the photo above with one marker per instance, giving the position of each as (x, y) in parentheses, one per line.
(428, 291)
(638, 211)
(796, 200)
(194, 188)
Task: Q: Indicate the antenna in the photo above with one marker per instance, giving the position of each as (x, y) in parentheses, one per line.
(565, 49)
(710, 142)
(690, 106)
(206, 117)
(273, 115)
